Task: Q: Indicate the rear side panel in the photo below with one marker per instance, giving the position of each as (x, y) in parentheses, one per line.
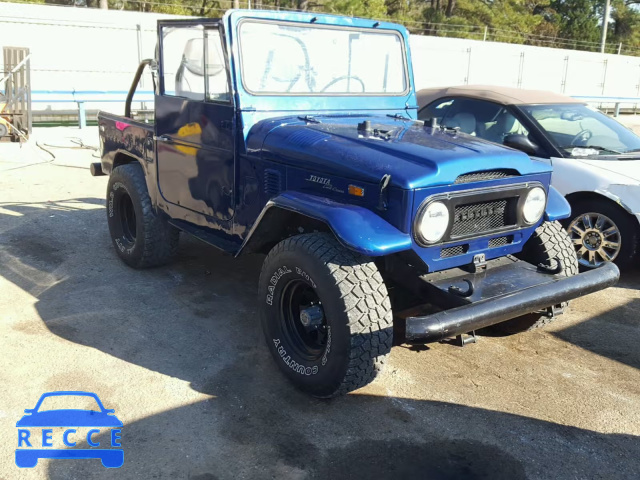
(123, 140)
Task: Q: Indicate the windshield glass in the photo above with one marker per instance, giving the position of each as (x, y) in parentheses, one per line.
(581, 130)
(287, 59)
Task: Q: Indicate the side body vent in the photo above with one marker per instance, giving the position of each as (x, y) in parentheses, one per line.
(272, 182)
(486, 175)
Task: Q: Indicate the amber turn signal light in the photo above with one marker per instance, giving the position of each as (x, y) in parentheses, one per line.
(355, 190)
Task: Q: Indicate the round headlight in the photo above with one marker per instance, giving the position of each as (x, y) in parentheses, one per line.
(434, 222)
(534, 205)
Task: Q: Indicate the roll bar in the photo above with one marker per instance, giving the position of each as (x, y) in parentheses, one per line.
(136, 79)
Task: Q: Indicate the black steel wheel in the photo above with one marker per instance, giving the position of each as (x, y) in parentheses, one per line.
(305, 326)
(326, 314)
(127, 219)
(141, 238)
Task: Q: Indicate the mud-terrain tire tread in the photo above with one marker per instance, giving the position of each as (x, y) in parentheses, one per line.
(549, 241)
(160, 239)
(366, 299)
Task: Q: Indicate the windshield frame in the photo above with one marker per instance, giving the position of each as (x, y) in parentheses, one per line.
(297, 24)
(564, 151)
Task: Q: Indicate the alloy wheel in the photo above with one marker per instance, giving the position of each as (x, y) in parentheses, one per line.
(596, 239)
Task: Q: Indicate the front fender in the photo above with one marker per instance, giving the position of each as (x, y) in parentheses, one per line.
(557, 206)
(356, 227)
(624, 195)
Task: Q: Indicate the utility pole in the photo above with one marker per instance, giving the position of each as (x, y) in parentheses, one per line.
(236, 3)
(605, 24)
(104, 4)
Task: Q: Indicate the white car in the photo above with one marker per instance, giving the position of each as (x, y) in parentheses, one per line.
(596, 160)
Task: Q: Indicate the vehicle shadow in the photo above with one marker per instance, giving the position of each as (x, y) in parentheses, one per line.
(197, 320)
(614, 334)
(630, 279)
(258, 427)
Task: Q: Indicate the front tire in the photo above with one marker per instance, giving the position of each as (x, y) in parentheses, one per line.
(602, 232)
(141, 238)
(549, 245)
(326, 314)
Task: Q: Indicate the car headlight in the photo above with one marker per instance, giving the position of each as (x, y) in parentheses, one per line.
(534, 205)
(434, 222)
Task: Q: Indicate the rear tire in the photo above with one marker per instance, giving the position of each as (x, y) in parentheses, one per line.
(326, 314)
(548, 245)
(141, 238)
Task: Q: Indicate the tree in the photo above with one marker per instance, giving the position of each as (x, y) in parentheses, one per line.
(357, 8)
(578, 19)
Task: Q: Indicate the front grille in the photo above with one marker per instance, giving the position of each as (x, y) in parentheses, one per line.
(478, 218)
(487, 175)
(500, 241)
(454, 251)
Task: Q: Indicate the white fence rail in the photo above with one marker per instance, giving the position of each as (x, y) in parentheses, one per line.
(88, 49)
(439, 61)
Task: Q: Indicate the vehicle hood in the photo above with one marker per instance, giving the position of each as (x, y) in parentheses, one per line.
(629, 169)
(414, 155)
(69, 418)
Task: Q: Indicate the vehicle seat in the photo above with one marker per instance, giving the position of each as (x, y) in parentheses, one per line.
(190, 74)
(503, 126)
(465, 121)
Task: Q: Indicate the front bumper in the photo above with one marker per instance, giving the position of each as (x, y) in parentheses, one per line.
(508, 290)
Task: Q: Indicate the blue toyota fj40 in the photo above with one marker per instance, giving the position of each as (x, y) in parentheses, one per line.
(295, 135)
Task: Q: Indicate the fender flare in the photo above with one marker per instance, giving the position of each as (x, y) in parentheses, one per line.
(355, 227)
(558, 207)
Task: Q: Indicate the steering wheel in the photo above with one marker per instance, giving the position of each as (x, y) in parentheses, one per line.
(582, 136)
(344, 77)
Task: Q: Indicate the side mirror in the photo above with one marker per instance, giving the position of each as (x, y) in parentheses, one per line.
(522, 143)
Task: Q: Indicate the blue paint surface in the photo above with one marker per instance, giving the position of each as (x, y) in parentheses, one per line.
(238, 156)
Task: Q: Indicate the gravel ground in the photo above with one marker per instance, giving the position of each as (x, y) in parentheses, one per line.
(178, 353)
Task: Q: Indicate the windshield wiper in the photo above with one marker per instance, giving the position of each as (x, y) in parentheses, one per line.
(309, 119)
(397, 116)
(593, 147)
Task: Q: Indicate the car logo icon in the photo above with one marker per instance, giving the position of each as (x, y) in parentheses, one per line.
(27, 453)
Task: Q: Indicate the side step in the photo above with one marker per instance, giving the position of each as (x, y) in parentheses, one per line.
(206, 236)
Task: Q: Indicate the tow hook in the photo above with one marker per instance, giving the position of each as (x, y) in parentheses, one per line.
(549, 269)
(463, 293)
